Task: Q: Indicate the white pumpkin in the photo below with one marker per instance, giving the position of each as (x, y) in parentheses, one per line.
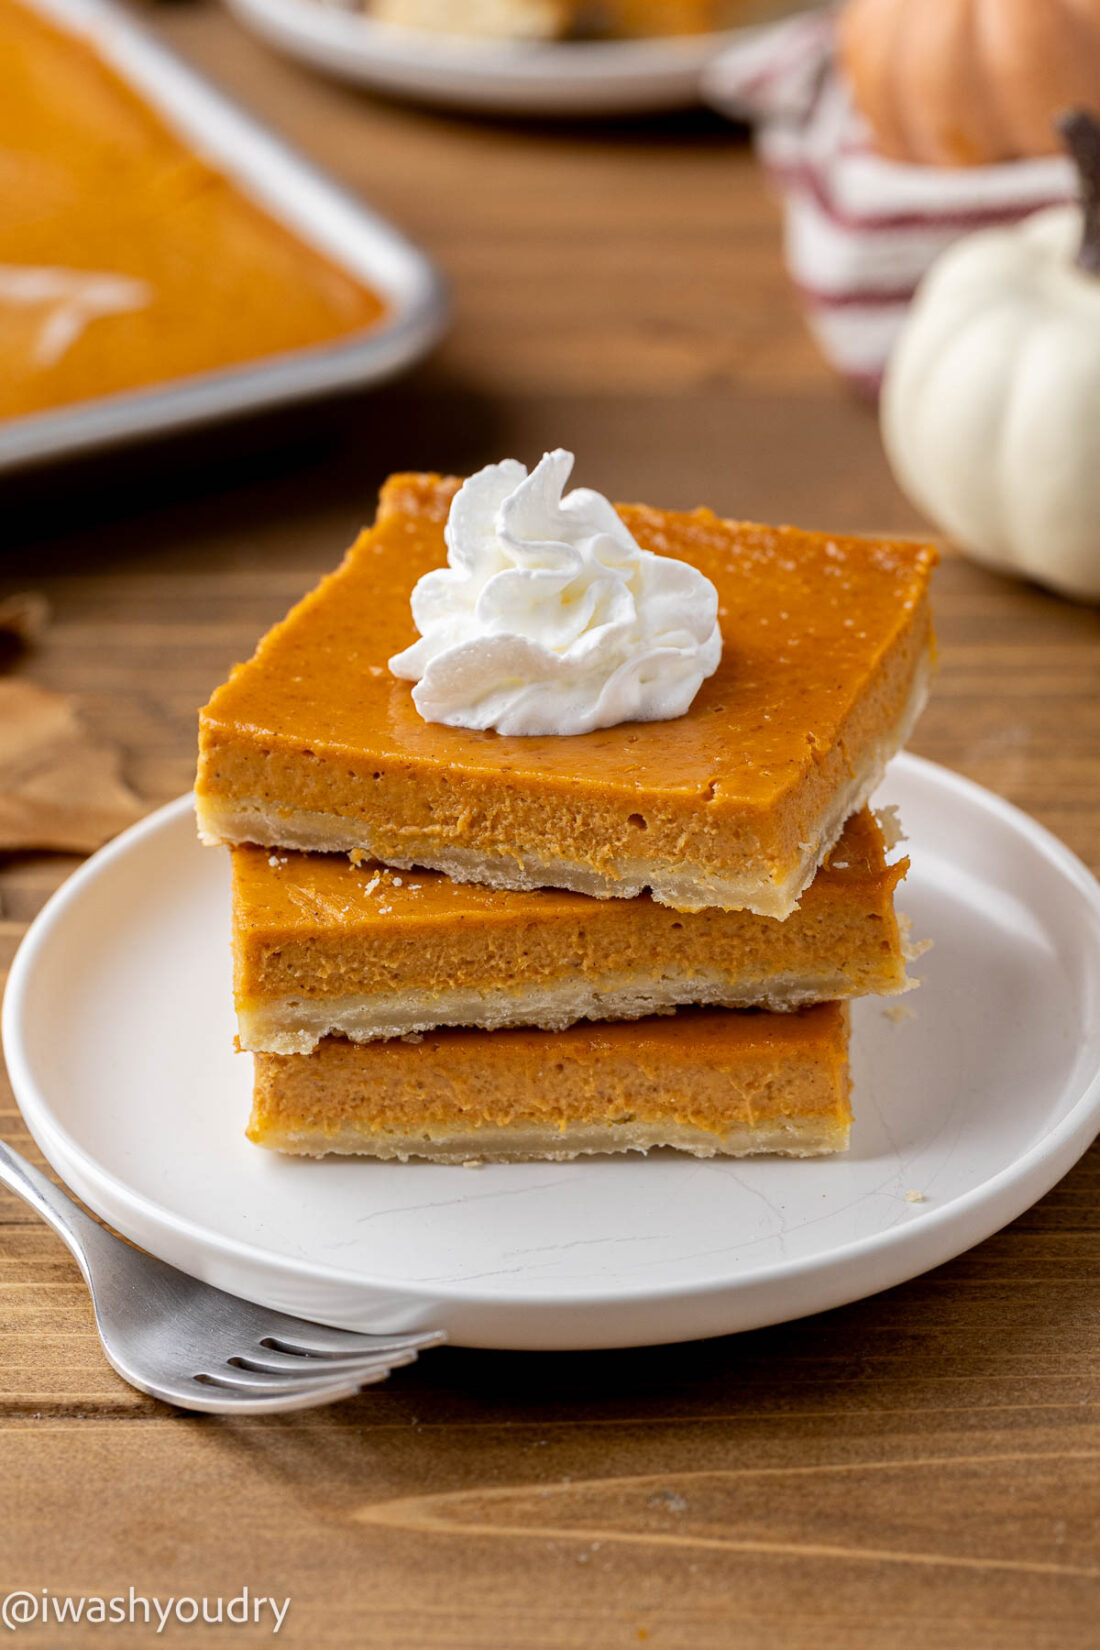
(991, 402)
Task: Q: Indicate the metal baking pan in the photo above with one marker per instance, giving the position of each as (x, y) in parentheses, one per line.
(294, 193)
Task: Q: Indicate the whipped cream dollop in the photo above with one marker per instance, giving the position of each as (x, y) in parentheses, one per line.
(549, 618)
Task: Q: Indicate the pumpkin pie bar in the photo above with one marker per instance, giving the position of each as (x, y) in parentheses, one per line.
(315, 744)
(642, 18)
(324, 947)
(555, 19)
(707, 1081)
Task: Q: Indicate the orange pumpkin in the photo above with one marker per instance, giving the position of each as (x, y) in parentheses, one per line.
(964, 82)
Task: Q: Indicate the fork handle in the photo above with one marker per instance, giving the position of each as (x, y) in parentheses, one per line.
(55, 1206)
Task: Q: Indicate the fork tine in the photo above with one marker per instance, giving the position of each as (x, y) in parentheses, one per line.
(300, 1366)
(251, 1382)
(217, 1400)
(297, 1336)
(153, 1348)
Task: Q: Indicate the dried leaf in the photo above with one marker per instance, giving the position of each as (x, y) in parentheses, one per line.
(58, 788)
(23, 620)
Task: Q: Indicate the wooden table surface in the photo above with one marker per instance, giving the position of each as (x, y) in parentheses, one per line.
(917, 1470)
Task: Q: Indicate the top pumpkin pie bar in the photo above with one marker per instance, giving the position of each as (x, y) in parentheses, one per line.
(827, 643)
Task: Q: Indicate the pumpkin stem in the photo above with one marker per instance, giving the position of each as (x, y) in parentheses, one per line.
(1080, 133)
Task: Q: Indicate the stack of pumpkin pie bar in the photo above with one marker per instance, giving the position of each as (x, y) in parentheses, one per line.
(456, 944)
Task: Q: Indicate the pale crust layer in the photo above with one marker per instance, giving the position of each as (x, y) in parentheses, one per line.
(295, 1025)
(800, 1137)
(705, 1080)
(827, 644)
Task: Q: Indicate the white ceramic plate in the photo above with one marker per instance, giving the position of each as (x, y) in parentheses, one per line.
(538, 78)
(118, 1032)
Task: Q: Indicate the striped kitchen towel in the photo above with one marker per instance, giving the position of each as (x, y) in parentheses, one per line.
(860, 231)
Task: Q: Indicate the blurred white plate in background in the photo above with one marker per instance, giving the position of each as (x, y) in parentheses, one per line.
(538, 78)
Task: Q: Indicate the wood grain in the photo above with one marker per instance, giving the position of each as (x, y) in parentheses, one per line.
(918, 1470)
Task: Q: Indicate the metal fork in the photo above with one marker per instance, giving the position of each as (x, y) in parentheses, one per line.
(195, 1346)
